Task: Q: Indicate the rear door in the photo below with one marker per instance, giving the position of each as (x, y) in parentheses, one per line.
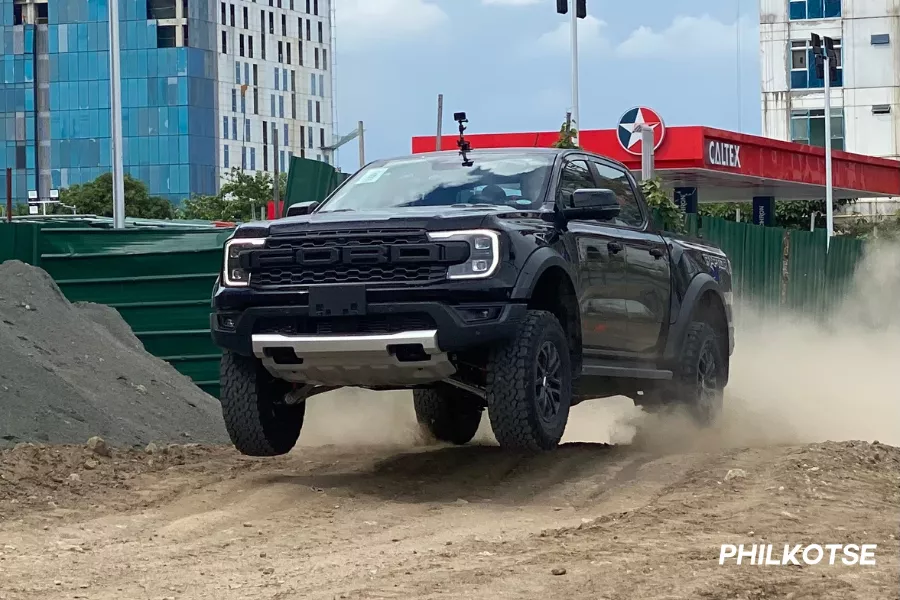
(647, 261)
(601, 267)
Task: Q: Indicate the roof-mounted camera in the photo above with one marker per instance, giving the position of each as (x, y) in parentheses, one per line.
(464, 146)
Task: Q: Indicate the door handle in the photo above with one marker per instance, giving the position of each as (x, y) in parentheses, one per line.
(656, 253)
(614, 247)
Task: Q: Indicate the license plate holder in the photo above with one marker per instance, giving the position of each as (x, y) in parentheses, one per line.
(337, 301)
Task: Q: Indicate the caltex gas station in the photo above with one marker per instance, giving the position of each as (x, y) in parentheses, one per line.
(703, 164)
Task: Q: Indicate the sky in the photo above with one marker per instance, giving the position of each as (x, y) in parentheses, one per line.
(507, 64)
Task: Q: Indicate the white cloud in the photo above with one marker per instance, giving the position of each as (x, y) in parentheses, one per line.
(590, 36)
(690, 37)
(362, 22)
(512, 2)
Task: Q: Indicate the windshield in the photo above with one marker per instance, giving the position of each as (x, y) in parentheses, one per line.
(498, 179)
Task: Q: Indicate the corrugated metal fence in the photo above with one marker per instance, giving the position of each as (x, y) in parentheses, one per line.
(778, 267)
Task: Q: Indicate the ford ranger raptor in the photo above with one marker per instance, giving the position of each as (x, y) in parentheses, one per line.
(518, 282)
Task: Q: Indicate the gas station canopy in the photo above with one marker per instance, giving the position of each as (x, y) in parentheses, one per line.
(721, 166)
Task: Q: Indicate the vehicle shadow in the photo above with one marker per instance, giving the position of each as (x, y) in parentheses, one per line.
(481, 473)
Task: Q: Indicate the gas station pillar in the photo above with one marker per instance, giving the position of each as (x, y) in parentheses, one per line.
(764, 210)
(686, 197)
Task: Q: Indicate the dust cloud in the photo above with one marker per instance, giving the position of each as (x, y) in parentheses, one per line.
(795, 379)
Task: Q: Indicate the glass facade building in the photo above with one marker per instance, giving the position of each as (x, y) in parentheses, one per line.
(180, 111)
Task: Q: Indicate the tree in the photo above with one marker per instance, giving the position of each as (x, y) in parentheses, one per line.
(669, 212)
(568, 133)
(793, 214)
(96, 198)
(240, 198)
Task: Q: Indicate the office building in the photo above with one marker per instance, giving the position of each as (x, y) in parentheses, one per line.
(206, 86)
(865, 98)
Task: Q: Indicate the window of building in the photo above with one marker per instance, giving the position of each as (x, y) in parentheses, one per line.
(312, 84)
(280, 52)
(165, 36)
(321, 34)
(308, 31)
(246, 18)
(881, 39)
(309, 137)
(292, 4)
(321, 138)
(277, 79)
(18, 19)
(316, 7)
(293, 81)
(233, 100)
(300, 53)
(284, 25)
(287, 139)
(288, 53)
(255, 75)
(281, 106)
(324, 59)
(265, 158)
(281, 159)
(255, 101)
(225, 127)
(307, 6)
(808, 127)
(187, 38)
(803, 66)
(814, 9)
(316, 59)
(224, 13)
(237, 72)
(262, 21)
(160, 9)
(241, 44)
(231, 11)
(293, 106)
(309, 110)
(302, 137)
(244, 157)
(243, 103)
(225, 157)
(272, 104)
(284, 80)
(272, 23)
(265, 129)
(246, 130)
(246, 73)
(252, 159)
(263, 45)
(322, 85)
(318, 112)
(224, 43)
(234, 128)
(279, 3)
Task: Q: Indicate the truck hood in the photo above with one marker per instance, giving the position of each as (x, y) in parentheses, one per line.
(432, 218)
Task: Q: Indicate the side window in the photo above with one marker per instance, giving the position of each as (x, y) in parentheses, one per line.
(576, 175)
(617, 181)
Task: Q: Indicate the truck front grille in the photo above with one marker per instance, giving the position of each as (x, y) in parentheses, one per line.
(368, 325)
(345, 256)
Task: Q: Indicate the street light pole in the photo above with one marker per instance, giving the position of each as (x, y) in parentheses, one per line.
(829, 182)
(575, 114)
(115, 103)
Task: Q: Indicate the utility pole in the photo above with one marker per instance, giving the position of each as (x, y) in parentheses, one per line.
(362, 144)
(115, 103)
(579, 12)
(277, 179)
(440, 122)
(826, 69)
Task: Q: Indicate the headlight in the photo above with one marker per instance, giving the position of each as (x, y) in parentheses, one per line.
(484, 257)
(232, 273)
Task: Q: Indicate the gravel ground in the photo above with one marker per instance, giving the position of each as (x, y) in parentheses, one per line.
(69, 372)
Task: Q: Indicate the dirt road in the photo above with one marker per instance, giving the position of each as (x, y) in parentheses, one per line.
(330, 522)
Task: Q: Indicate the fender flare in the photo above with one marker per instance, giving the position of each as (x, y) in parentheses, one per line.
(701, 284)
(535, 265)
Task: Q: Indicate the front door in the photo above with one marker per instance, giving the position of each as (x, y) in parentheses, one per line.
(647, 263)
(601, 268)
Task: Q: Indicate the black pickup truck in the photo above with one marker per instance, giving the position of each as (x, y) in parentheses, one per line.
(518, 281)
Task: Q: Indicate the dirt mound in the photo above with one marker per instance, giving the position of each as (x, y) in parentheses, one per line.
(68, 372)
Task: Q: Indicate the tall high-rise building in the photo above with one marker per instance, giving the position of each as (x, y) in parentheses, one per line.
(865, 98)
(206, 86)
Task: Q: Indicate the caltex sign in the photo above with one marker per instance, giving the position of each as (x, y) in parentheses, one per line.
(629, 130)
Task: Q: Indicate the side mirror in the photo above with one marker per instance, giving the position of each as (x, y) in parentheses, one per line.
(301, 208)
(599, 204)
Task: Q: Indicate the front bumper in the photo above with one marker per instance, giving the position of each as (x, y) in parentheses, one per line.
(411, 356)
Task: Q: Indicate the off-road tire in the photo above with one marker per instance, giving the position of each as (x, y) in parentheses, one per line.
(513, 390)
(693, 373)
(448, 414)
(257, 419)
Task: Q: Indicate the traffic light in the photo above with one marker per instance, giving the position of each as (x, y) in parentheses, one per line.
(562, 7)
(581, 8)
